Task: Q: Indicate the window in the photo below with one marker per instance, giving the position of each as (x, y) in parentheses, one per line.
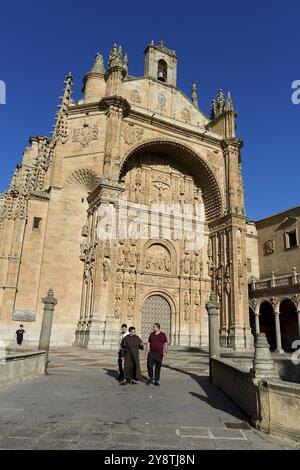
(36, 223)
(291, 239)
(249, 265)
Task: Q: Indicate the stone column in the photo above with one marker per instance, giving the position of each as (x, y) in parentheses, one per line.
(213, 307)
(278, 333)
(257, 326)
(49, 303)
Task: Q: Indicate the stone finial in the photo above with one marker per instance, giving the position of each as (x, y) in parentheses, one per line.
(194, 94)
(60, 132)
(98, 66)
(125, 62)
(229, 104)
(115, 57)
(213, 305)
(50, 300)
(220, 101)
(263, 364)
(213, 109)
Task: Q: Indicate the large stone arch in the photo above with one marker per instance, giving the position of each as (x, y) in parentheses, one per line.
(189, 160)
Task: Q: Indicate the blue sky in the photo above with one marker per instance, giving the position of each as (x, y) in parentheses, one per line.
(249, 48)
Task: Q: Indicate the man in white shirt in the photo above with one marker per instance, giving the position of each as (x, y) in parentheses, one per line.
(121, 353)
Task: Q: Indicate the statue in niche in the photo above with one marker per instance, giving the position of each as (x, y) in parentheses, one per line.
(186, 264)
(197, 265)
(106, 268)
(186, 302)
(197, 306)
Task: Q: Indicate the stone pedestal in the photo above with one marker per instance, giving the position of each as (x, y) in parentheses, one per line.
(94, 336)
(263, 364)
(236, 338)
(111, 337)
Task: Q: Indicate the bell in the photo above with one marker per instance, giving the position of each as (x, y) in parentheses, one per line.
(160, 76)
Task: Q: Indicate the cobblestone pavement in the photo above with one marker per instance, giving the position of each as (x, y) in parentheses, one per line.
(80, 405)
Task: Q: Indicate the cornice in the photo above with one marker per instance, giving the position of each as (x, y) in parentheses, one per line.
(138, 115)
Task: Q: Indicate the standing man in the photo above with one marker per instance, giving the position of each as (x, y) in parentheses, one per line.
(156, 349)
(122, 351)
(19, 336)
(131, 343)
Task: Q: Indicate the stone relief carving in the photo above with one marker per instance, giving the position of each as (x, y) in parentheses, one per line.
(130, 302)
(135, 96)
(227, 279)
(197, 265)
(186, 301)
(161, 191)
(161, 100)
(186, 264)
(196, 307)
(130, 133)
(84, 179)
(269, 247)
(157, 258)
(84, 135)
(185, 114)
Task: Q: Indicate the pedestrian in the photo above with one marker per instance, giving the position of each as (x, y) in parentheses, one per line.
(131, 343)
(19, 336)
(156, 350)
(122, 351)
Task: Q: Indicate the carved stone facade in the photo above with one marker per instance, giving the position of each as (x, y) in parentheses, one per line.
(143, 140)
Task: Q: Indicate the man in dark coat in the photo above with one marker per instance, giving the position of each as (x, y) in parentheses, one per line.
(131, 344)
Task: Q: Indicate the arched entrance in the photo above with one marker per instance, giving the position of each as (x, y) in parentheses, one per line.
(267, 323)
(288, 323)
(155, 309)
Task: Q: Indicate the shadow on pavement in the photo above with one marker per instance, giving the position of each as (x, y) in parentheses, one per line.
(115, 374)
(214, 397)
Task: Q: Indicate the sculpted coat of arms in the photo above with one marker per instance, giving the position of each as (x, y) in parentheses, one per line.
(131, 134)
(85, 134)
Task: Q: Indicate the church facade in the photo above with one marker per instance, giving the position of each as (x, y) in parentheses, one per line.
(132, 149)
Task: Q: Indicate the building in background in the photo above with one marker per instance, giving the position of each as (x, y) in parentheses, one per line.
(274, 279)
(143, 140)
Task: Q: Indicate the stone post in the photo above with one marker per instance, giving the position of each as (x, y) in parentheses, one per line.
(263, 364)
(278, 334)
(213, 307)
(49, 303)
(257, 326)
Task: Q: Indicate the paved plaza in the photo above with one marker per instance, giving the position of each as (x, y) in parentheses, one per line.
(80, 405)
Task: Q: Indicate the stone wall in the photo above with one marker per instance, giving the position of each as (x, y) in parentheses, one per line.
(20, 367)
(273, 406)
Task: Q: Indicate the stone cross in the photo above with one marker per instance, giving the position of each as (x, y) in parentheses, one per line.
(49, 303)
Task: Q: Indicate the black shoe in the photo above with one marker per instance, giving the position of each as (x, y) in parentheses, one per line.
(120, 377)
(149, 382)
(156, 383)
(124, 382)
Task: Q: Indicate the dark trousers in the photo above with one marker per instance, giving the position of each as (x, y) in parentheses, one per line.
(120, 362)
(154, 360)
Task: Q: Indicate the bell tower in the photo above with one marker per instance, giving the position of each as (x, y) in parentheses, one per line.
(160, 63)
